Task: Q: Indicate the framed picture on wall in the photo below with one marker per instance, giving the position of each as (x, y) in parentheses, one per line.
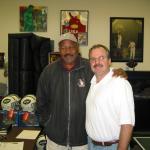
(33, 18)
(76, 22)
(2, 55)
(53, 56)
(126, 39)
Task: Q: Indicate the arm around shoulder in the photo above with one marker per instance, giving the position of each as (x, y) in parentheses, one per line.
(120, 72)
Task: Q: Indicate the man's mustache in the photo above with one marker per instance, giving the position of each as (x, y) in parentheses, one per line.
(68, 55)
(98, 65)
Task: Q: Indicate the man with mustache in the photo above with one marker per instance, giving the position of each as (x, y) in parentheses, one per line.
(61, 95)
(109, 105)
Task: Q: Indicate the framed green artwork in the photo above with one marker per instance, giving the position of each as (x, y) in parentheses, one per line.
(33, 18)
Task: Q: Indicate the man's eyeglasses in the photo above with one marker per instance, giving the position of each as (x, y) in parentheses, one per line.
(101, 58)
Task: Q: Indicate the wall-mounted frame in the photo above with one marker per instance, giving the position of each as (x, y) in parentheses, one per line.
(53, 56)
(2, 55)
(126, 39)
(33, 18)
(76, 22)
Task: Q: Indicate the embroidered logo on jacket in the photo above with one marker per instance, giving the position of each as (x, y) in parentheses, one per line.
(81, 82)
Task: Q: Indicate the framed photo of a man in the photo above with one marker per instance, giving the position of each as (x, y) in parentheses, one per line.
(126, 39)
(76, 22)
(33, 18)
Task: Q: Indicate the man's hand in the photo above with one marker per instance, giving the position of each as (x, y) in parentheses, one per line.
(120, 72)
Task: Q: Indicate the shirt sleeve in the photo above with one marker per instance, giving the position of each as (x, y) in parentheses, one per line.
(125, 92)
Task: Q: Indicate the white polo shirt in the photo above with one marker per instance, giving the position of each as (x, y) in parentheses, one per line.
(109, 104)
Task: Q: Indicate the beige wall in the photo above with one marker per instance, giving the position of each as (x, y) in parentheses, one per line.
(100, 12)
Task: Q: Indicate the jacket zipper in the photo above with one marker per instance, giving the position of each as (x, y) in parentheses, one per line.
(68, 145)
